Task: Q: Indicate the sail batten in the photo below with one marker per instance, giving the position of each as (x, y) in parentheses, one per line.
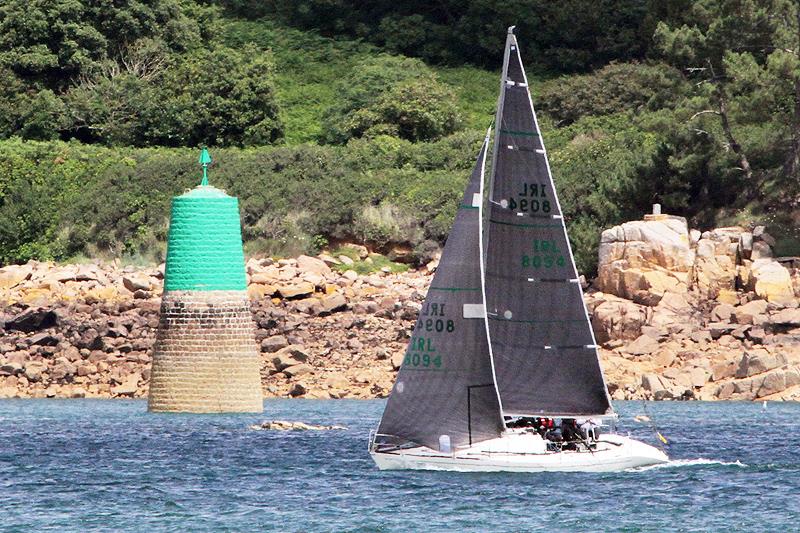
(544, 352)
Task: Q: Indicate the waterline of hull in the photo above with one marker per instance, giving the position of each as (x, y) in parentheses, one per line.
(615, 453)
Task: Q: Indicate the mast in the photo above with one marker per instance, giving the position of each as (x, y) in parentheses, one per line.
(543, 348)
(498, 118)
(482, 264)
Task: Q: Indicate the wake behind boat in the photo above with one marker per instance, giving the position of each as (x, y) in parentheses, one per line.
(502, 371)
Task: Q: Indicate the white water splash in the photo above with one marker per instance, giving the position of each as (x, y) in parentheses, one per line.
(678, 463)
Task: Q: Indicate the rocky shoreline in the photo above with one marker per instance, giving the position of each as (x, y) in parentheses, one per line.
(673, 316)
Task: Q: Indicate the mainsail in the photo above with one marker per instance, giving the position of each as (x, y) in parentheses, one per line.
(544, 350)
(445, 394)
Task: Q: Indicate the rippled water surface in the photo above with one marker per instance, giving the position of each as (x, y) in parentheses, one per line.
(84, 465)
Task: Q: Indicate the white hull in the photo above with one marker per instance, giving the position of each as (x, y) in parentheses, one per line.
(505, 454)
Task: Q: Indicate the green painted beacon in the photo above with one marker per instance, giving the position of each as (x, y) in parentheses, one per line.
(205, 358)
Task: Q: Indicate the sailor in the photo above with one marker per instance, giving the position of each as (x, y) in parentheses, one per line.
(588, 428)
(569, 429)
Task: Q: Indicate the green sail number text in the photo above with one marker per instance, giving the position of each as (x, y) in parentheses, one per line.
(545, 255)
(422, 354)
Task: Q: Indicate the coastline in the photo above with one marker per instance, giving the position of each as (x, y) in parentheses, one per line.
(75, 331)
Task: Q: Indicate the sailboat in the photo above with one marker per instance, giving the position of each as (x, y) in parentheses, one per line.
(502, 371)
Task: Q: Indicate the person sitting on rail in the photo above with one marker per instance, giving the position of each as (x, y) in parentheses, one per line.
(589, 429)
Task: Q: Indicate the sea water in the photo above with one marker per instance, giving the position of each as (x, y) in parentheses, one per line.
(92, 465)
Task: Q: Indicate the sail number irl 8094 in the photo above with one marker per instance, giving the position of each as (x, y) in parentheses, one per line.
(545, 255)
(532, 198)
(422, 354)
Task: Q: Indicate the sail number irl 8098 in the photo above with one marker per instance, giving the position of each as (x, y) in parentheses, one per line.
(437, 321)
(545, 255)
(436, 324)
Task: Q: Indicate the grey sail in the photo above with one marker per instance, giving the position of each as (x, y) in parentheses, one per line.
(445, 385)
(544, 351)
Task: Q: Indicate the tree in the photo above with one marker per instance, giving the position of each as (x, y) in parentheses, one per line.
(395, 96)
(54, 41)
(216, 96)
(618, 87)
(744, 56)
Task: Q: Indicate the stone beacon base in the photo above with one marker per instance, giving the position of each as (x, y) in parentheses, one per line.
(205, 358)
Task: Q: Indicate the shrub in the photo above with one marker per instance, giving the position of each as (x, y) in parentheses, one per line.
(394, 96)
(615, 88)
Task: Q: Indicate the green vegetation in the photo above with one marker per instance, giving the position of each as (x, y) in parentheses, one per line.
(62, 199)
(335, 120)
(565, 36)
(368, 265)
(136, 74)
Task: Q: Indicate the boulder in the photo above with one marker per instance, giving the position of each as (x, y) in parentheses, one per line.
(772, 281)
(652, 243)
(86, 369)
(337, 380)
(761, 250)
(309, 306)
(33, 370)
(32, 319)
(785, 319)
(292, 291)
(718, 329)
(135, 283)
(129, 386)
(366, 307)
(350, 275)
(264, 278)
(274, 343)
(329, 260)
(289, 356)
(643, 345)
(63, 369)
(699, 377)
(663, 358)
(13, 275)
(726, 296)
(332, 303)
(641, 260)
(397, 360)
(298, 389)
(746, 244)
(713, 274)
(658, 386)
(617, 318)
(757, 363)
(722, 313)
(11, 368)
(283, 425)
(723, 370)
(674, 303)
(757, 335)
(44, 339)
(701, 336)
(297, 370)
(754, 312)
(774, 382)
(312, 264)
(257, 291)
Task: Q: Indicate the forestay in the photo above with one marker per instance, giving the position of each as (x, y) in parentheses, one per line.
(544, 350)
(444, 393)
